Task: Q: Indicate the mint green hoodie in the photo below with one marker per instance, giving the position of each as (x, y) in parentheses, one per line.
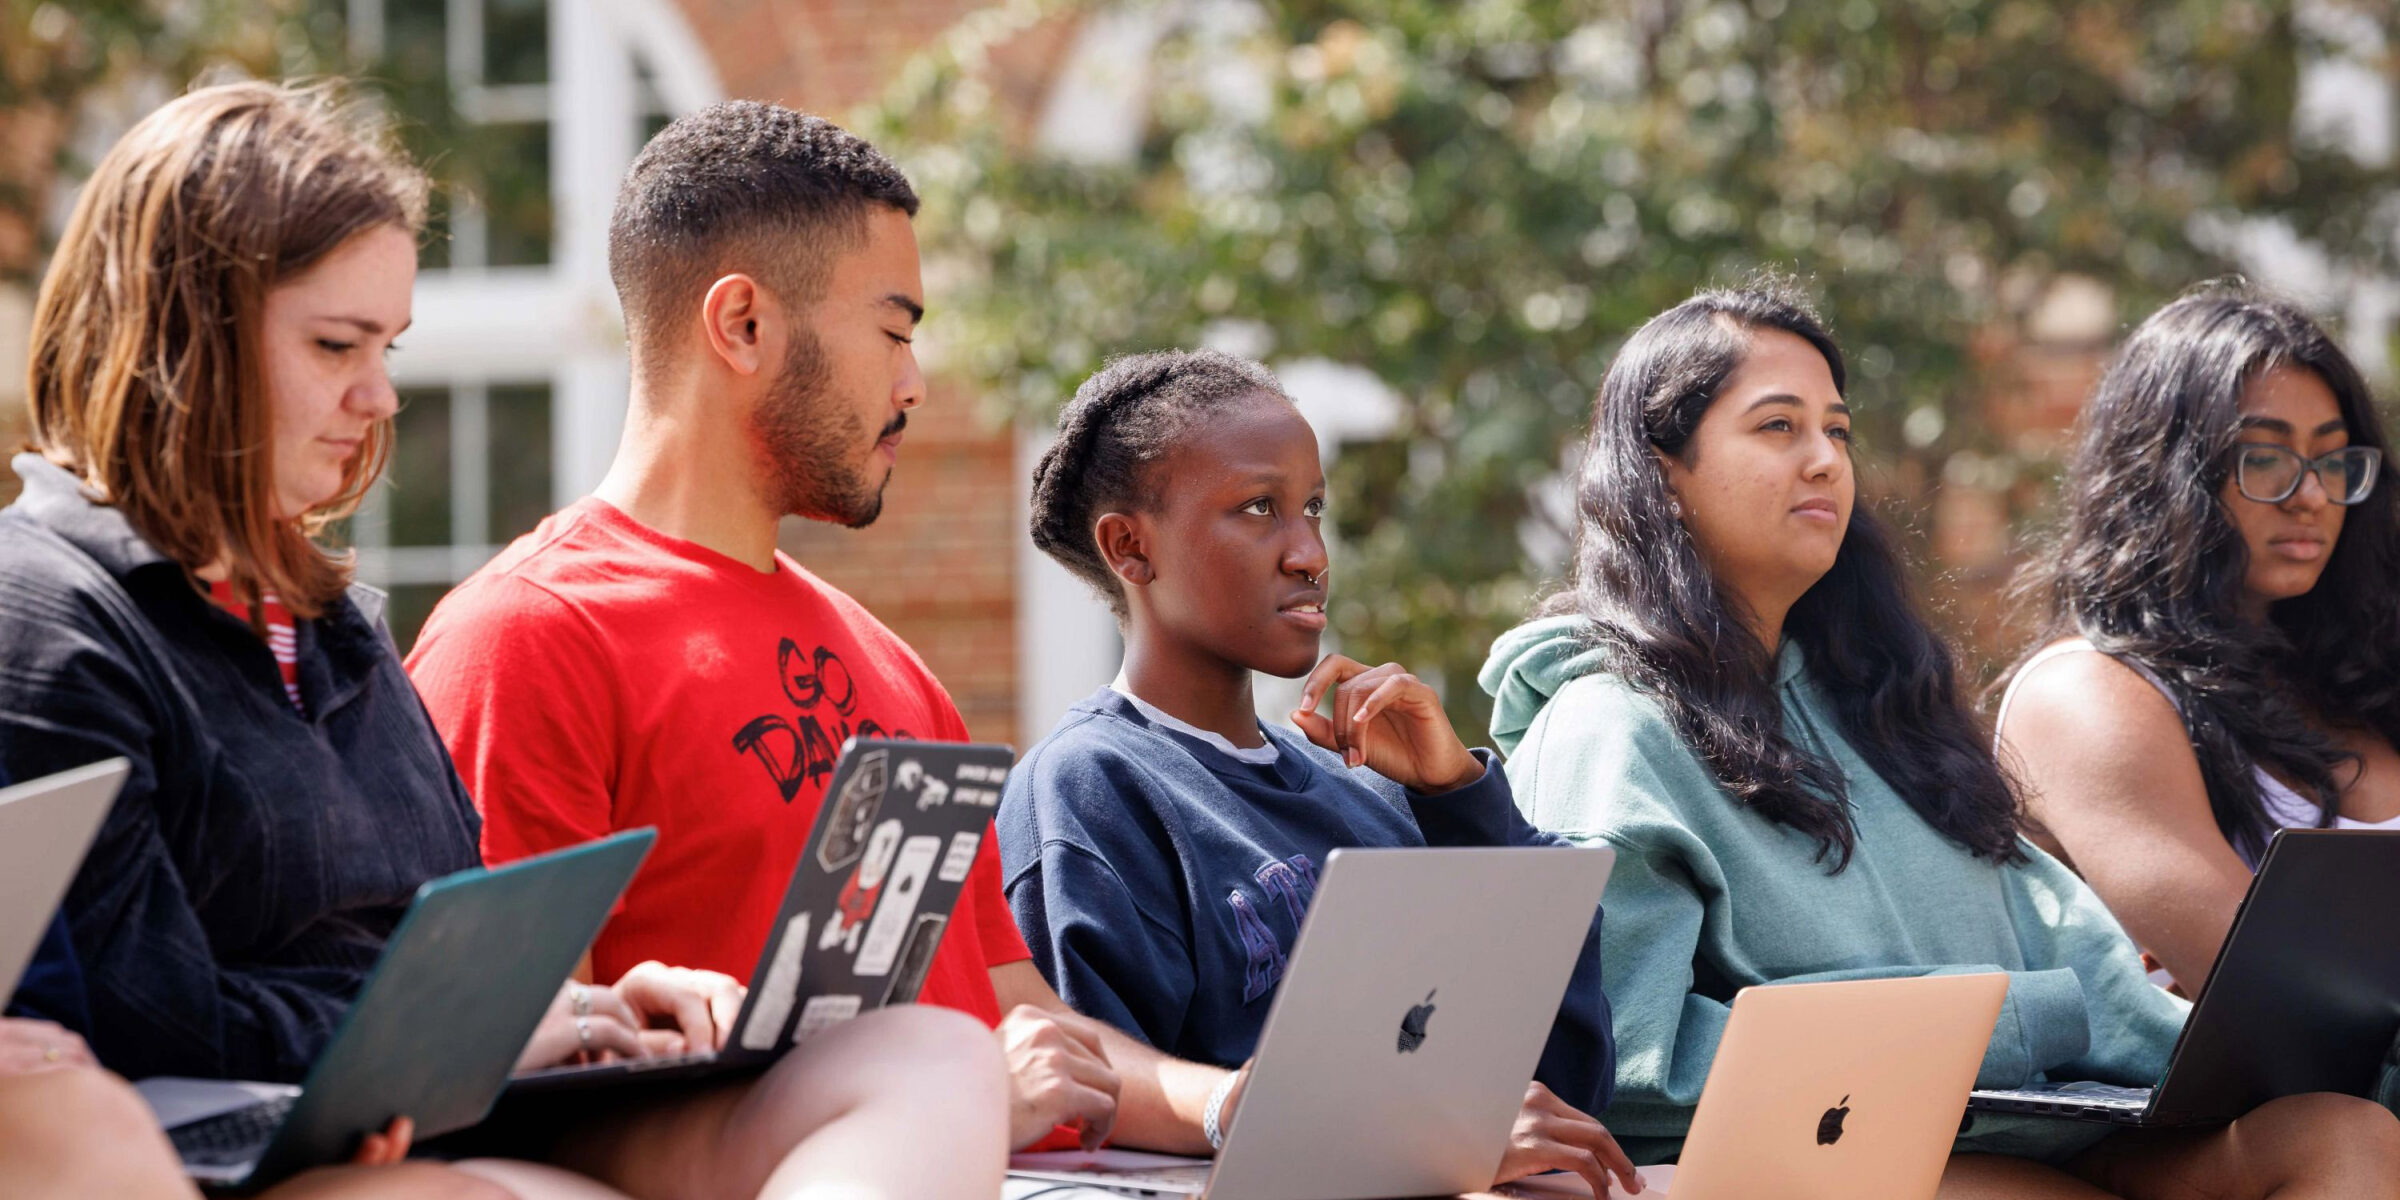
(1708, 897)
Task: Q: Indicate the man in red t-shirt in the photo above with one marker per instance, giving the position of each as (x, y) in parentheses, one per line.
(648, 657)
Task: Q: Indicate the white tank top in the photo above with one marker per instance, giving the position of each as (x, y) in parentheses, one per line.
(2284, 806)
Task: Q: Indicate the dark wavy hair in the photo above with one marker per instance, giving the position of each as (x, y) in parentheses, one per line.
(1122, 421)
(1664, 625)
(2149, 565)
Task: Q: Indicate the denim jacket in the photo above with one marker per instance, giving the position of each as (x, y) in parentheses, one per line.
(257, 858)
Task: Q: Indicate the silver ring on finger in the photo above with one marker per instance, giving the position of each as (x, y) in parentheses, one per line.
(583, 1033)
(581, 994)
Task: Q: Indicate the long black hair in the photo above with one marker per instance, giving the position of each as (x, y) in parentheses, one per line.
(1664, 625)
(2149, 566)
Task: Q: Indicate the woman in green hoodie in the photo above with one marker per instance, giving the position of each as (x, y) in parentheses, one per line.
(1737, 695)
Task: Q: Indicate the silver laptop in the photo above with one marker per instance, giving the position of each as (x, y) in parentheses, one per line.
(1833, 1091)
(1396, 1055)
(45, 826)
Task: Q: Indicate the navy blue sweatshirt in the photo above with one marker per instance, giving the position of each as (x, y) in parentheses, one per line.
(52, 986)
(1161, 883)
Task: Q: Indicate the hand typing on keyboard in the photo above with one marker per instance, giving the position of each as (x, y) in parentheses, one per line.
(584, 1024)
(693, 1010)
(1552, 1135)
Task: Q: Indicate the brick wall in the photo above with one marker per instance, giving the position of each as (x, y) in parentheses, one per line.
(829, 56)
(939, 566)
(2032, 393)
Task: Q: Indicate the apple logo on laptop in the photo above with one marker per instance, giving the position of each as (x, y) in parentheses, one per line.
(1412, 1026)
(1829, 1126)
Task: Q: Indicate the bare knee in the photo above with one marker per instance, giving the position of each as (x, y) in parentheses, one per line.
(79, 1106)
(87, 1099)
(2324, 1135)
(1972, 1176)
(516, 1180)
(417, 1180)
(80, 1131)
(2329, 1116)
(926, 1038)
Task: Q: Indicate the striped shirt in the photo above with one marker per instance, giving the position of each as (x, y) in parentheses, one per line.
(283, 638)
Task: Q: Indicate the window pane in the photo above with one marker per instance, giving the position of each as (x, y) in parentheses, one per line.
(413, 76)
(520, 459)
(409, 606)
(433, 249)
(650, 108)
(413, 49)
(515, 190)
(419, 478)
(498, 171)
(516, 41)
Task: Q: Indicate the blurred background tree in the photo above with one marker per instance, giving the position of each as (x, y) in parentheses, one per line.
(481, 140)
(73, 76)
(56, 58)
(1470, 201)
(1477, 200)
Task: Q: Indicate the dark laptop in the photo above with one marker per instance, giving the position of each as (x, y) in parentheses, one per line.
(2304, 996)
(865, 910)
(460, 987)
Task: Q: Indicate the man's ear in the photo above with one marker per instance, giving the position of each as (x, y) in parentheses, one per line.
(1125, 547)
(733, 318)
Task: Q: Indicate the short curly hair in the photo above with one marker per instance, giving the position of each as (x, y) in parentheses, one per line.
(1120, 423)
(741, 186)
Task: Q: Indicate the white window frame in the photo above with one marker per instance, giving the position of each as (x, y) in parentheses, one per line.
(477, 326)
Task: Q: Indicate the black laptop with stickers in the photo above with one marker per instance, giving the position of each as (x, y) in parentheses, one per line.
(866, 908)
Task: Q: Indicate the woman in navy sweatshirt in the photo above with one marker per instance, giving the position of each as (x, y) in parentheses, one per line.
(1161, 845)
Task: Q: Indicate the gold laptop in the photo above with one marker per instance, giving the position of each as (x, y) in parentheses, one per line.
(1836, 1091)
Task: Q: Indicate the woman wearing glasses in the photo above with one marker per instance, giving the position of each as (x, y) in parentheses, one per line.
(2221, 654)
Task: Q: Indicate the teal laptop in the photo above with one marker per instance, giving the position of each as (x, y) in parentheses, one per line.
(437, 1026)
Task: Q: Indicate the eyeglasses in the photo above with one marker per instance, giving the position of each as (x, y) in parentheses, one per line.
(2272, 474)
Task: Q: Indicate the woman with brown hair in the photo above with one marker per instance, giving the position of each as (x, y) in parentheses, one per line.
(208, 391)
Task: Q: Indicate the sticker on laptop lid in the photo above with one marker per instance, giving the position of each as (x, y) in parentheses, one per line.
(916, 958)
(782, 986)
(901, 892)
(961, 857)
(853, 812)
(824, 1012)
(857, 900)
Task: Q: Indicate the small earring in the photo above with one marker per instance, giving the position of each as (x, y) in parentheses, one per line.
(1675, 507)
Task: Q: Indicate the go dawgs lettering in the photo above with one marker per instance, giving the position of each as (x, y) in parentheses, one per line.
(802, 751)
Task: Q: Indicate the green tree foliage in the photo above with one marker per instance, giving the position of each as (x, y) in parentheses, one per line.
(54, 56)
(1477, 200)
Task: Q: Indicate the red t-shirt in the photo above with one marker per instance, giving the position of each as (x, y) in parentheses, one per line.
(599, 675)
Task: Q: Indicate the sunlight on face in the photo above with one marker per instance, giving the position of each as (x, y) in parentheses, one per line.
(323, 335)
(1765, 482)
(2289, 543)
(836, 441)
(1238, 543)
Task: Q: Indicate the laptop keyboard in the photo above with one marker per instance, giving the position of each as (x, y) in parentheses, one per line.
(622, 1066)
(230, 1139)
(1166, 1175)
(2090, 1095)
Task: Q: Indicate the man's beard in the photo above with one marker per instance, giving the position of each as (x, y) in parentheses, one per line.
(810, 448)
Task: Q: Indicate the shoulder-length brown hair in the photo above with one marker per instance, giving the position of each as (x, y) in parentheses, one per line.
(145, 376)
